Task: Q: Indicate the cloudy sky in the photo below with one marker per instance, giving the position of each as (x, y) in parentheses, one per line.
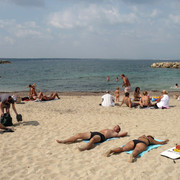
(135, 29)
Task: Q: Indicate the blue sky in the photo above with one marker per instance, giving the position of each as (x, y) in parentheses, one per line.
(135, 29)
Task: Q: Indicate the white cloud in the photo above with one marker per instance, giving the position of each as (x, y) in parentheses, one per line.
(174, 18)
(9, 40)
(91, 16)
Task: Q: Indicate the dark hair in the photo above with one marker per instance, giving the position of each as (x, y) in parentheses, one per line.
(150, 136)
(137, 89)
(123, 75)
(119, 128)
(10, 100)
(30, 85)
(126, 94)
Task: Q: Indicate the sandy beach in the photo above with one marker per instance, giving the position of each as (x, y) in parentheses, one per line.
(32, 153)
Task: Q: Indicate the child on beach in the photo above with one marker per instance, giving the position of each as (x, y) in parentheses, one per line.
(117, 93)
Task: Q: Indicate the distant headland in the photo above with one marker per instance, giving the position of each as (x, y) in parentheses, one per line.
(175, 65)
(5, 62)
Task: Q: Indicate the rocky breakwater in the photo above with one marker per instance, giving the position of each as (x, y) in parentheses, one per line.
(175, 65)
(4, 62)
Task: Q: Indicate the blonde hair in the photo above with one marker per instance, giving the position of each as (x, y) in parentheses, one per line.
(164, 92)
(145, 93)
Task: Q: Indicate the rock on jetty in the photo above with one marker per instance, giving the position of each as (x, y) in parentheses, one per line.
(166, 65)
(4, 62)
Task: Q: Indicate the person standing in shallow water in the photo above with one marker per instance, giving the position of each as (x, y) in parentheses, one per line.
(107, 79)
(126, 83)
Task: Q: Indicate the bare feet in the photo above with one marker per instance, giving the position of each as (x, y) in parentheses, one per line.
(59, 141)
(107, 154)
(81, 148)
(131, 158)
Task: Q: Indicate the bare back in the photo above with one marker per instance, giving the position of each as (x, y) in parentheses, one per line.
(126, 82)
(145, 100)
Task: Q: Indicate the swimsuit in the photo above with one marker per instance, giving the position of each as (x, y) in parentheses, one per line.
(136, 141)
(99, 134)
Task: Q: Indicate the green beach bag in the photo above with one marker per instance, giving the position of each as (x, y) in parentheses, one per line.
(6, 119)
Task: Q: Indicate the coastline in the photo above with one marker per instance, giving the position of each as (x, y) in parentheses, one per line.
(88, 93)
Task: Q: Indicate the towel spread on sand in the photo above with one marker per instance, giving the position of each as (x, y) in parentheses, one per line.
(153, 146)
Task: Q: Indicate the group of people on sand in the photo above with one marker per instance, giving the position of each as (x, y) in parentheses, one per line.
(137, 145)
(143, 101)
(6, 100)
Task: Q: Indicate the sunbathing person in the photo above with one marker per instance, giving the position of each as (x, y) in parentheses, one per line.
(95, 137)
(52, 96)
(138, 145)
(128, 102)
(145, 100)
(137, 94)
(32, 92)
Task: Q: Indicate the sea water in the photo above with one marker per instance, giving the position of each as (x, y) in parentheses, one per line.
(67, 75)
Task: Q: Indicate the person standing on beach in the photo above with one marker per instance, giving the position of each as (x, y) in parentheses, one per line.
(5, 101)
(126, 83)
(94, 137)
(117, 93)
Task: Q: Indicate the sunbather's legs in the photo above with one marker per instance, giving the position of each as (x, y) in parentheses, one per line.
(129, 146)
(91, 142)
(76, 137)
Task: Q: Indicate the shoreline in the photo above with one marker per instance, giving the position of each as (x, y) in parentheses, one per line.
(87, 93)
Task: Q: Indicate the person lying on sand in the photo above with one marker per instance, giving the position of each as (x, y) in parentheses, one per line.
(128, 102)
(52, 96)
(138, 145)
(95, 137)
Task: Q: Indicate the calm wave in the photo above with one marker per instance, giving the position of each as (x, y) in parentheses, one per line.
(84, 75)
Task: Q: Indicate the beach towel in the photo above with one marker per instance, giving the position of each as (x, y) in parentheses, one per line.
(171, 153)
(153, 146)
(38, 100)
(86, 141)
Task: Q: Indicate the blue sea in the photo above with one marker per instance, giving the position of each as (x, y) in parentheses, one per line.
(89, 75)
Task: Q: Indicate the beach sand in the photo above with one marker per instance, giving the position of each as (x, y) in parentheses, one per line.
(32, 153)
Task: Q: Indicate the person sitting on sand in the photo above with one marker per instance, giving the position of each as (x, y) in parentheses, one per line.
(95, 137)
(52, 96)
(128, 102)
(5, 128)
(163, 100)
(117, 93)
(32, 92)
(107, 100)
(137, 94)
(138, 145)
(145, 100)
